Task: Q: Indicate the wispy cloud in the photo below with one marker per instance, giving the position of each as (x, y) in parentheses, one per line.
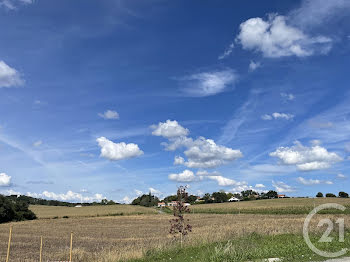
(227, 52)
(9, 77)
(311, 182)
(253, 66)
(13, 4)
(209, 83)
(277, 116)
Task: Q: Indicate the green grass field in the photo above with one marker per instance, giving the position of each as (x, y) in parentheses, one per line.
(272, 206)
(253, 247)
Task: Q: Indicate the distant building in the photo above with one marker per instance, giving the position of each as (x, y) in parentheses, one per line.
(199, 200)
(281, 196)
(161, 204)
(233, 199)
(78, 206)
(172, 204)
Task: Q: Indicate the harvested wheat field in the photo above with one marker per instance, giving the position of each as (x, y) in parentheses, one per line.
(122, 237)
(89, 211)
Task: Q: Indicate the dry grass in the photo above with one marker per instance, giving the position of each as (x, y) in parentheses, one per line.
(278, 206)
(120, 237)
(89, 211)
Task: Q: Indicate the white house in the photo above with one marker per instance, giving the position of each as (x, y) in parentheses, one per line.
(172, 204)
(233, 199)
(161, 204)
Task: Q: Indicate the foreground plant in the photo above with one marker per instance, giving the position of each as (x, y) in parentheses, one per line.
(179, 225)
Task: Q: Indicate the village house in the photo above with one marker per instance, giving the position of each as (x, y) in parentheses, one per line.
(161, 204)
(172, 204)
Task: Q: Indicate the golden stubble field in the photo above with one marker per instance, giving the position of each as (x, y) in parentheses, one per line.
(89, 211)
(116, 238)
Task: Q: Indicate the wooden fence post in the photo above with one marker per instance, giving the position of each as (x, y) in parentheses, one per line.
(41, 248)
(71, 246)
(9, 245)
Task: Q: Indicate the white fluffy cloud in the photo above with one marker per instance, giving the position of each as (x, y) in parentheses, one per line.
(205, 153)
(259, 185)
(179, 160)
(253, 66)
(118, 151)
(306, 158)
(169, 129)
(69, 196)
(210, 83)
(282, 187)
(310, 182)
(200, 153)
(109, 114)
(5, 180)
(224, 181)
(185, 176)
(243, 186)
(277, 116)
(138, 192)
(154, 191)
(275, 38)
(9, 77)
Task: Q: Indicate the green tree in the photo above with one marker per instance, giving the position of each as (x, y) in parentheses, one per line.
(207, 198)
(146, 200)
(343, 194)
(319, 194)
(271, 194)
(170, 198)
(14, 210)
(249, 195)
(330, 195)
(220, 197)
(191, 199)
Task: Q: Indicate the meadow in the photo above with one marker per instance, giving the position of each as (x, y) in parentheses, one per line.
(145, 237)
(271, 206)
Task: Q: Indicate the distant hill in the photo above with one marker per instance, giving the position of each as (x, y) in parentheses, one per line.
(39, 201)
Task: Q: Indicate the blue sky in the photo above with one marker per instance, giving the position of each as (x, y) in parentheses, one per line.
(117, 98)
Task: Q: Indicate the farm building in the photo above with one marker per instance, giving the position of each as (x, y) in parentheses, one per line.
(281, 196)
(161, 204)
(172, 203)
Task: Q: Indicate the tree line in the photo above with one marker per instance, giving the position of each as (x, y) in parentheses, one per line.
(149, 200)
(14, 209)
(341, 194)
